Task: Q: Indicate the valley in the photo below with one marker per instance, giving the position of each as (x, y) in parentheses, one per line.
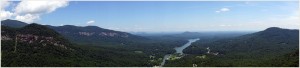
(35, 45)
(183, 33)
(179, 54)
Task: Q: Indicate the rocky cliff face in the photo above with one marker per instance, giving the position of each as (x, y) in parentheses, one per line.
(35, 39)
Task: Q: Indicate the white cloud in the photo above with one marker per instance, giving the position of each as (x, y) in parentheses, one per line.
(31, 10)
(295, 16)
(39, 7)
(5, 15)
(222, 10)
(28, 18)
(4, 4)
(90, 22)
(225, 9)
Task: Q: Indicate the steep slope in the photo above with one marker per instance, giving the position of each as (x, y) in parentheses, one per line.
(32, 45)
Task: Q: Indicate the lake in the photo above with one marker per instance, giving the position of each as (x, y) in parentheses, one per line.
(179, 50)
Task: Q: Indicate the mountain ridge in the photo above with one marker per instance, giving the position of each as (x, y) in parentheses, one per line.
(265, 47)
(36, 45)
(92, 35)
(13, 23)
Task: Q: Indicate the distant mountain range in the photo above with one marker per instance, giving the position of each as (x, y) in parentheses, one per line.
(189, 35)
(91, 35)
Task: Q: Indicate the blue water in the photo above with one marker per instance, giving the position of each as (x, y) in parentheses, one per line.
(180, 49)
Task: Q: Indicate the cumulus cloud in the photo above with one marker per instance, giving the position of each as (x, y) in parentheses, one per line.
(90, 22)
(4, 4)
(225, 9)
(3, 13)
(39, 7)
(222, 10)
(28, 18)
(31, 10)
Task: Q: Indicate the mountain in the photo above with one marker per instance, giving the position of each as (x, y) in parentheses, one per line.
(36, 45)
(43, 45)
(95, 35)
(33, 45)
(13, 23)
(88, 35)
(270, 37)
(256, 49)
(202, 35)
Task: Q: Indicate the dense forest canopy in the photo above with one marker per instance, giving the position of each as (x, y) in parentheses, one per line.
(27, 45)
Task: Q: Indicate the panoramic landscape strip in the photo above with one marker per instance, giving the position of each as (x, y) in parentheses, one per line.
(62, 33)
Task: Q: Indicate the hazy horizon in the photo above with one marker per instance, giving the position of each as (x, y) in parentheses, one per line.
(158, 16)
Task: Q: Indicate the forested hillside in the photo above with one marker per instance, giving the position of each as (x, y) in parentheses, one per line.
(37, 45)
(34, 42)
(271, 47)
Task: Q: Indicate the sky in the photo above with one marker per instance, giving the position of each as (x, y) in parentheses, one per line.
(158, 16)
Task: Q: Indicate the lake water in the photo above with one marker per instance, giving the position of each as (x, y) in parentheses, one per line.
(178, 50)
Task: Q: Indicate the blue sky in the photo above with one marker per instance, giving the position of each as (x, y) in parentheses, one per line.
(169, 16)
